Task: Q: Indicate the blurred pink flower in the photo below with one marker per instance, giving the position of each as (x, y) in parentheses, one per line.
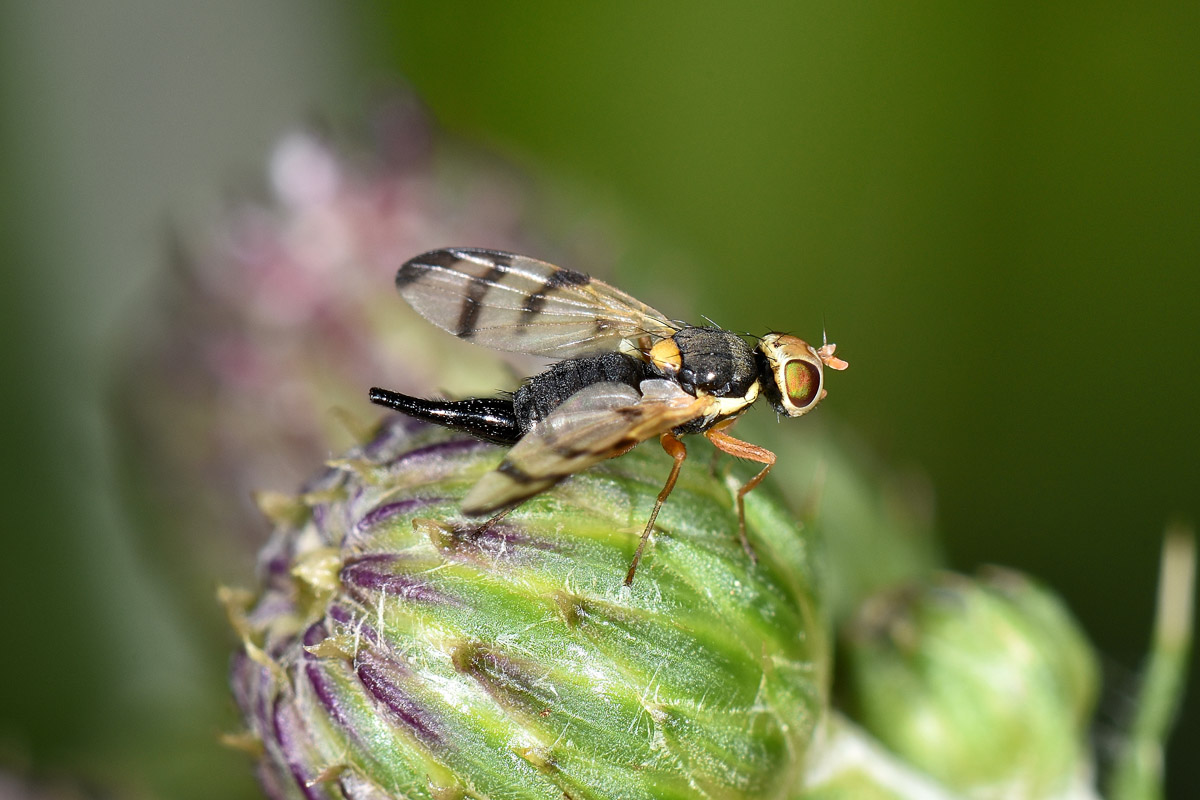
(287, 315)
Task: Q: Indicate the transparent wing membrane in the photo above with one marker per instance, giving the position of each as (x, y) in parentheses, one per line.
(511, 302)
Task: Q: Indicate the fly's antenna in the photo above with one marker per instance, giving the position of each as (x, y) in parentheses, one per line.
(826, 351)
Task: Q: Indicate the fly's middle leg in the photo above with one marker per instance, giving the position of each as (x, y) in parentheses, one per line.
(676, 450)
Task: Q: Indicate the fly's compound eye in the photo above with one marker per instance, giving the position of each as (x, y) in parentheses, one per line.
(801, 383)
(795, 370)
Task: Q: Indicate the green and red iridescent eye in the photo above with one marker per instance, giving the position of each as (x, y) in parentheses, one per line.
(802, 382)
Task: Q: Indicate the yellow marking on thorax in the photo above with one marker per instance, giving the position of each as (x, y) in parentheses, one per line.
(665, 357)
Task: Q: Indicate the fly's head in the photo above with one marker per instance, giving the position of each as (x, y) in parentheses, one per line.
(792, 372)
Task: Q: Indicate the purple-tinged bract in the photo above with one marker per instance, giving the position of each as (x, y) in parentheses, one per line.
(396, 650)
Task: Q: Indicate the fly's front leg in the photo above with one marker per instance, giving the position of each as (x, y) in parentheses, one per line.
(740, 449)
(676, 450)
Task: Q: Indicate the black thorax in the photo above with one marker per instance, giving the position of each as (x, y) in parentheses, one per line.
(715, 361)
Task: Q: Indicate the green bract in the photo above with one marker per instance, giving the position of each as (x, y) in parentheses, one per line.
(395, 650)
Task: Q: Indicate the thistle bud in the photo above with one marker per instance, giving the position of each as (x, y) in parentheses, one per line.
(985, 684)
(398, 649)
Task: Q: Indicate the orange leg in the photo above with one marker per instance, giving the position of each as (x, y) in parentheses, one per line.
(676, 450)
(740, 449)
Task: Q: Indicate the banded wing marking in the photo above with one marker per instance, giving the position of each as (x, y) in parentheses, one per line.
(515, 303)
(596, 423)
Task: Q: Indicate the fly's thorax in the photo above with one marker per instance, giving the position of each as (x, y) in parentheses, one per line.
(792, 372)
(707, 361)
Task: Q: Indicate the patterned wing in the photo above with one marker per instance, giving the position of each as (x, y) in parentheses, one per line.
(510, 302)
(596, 423)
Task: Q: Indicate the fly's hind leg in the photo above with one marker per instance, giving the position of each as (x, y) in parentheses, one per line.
(676, 450)
(740, 449)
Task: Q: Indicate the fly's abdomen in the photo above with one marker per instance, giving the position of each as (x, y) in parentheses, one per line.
(489, 418)
(543, 393)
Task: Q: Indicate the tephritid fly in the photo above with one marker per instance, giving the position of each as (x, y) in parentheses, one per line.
(627, 373)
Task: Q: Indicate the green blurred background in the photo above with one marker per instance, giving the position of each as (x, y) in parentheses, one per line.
(993, 208)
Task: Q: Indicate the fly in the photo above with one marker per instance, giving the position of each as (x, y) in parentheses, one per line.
(626, 373)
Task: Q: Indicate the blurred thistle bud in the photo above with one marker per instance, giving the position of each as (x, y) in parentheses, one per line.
(14, 785)
(286, 315)
(396, 649)
(986, 684)
(846, 763)
(876, 522)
